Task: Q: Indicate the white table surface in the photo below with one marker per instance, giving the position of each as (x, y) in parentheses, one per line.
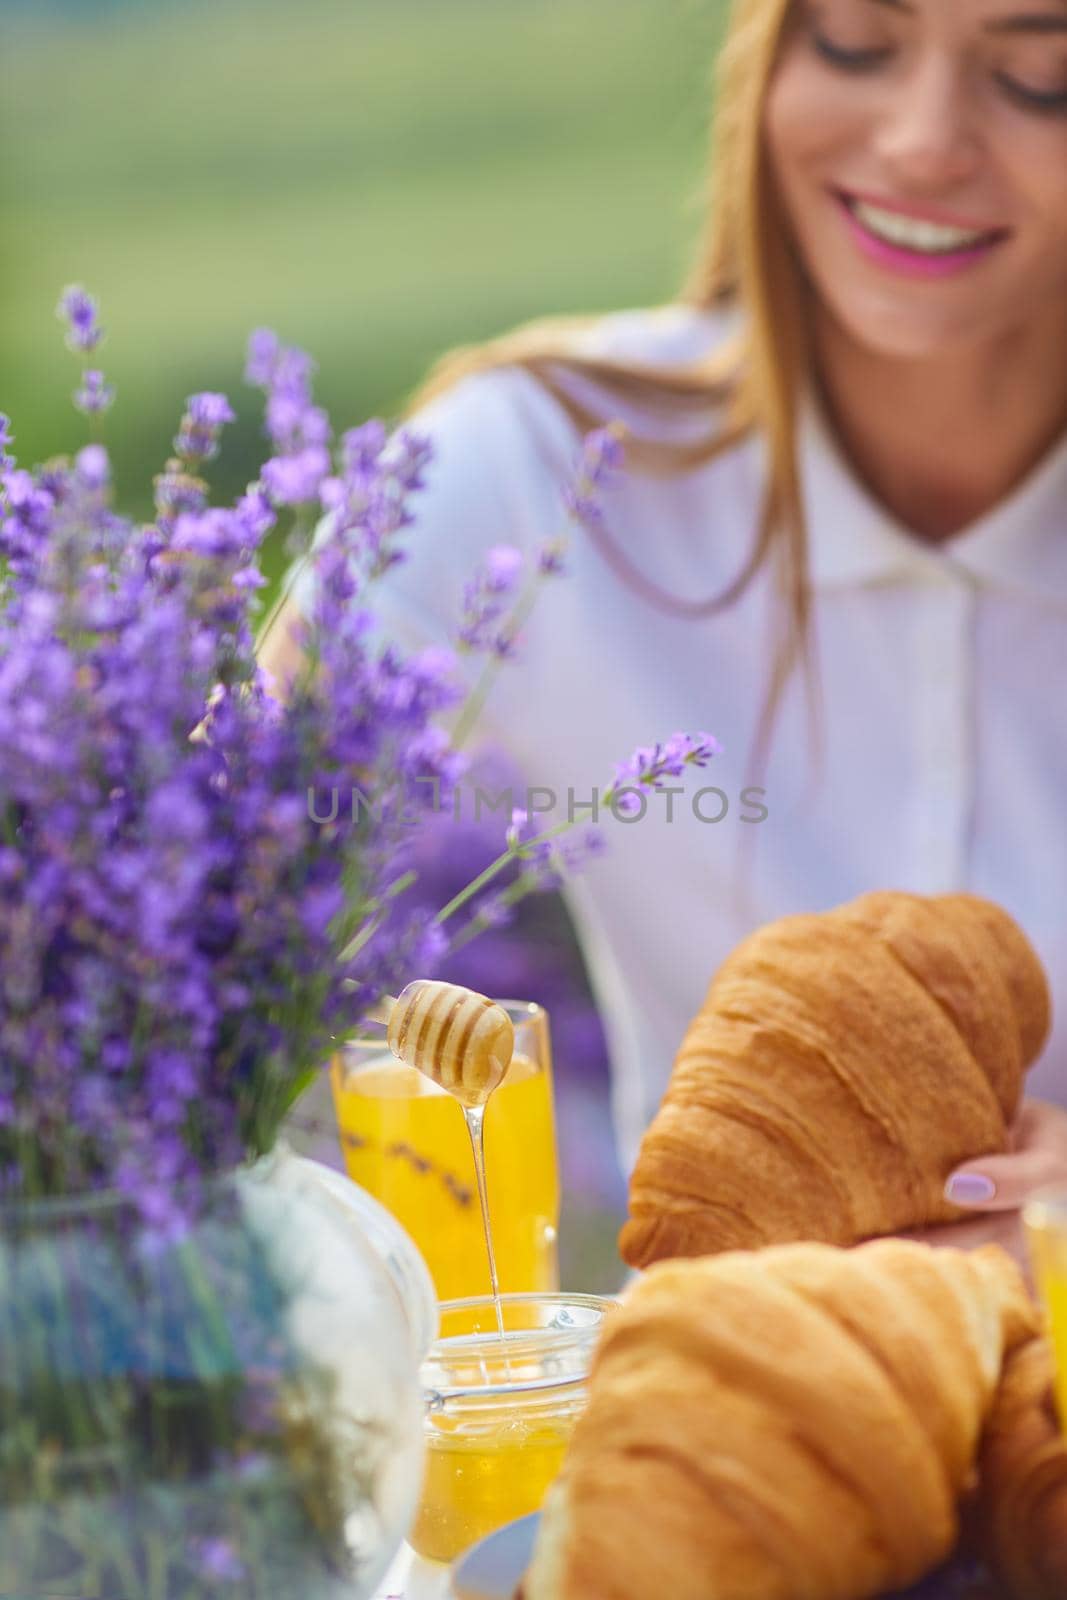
(411, 1578)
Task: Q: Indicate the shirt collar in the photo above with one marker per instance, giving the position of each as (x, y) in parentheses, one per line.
(1021, 544)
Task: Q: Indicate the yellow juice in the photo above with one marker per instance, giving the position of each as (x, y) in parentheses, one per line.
(406, 1142)
(475, 1482)
(1048, 1244)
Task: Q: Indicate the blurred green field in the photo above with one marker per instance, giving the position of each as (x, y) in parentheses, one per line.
(376, 179)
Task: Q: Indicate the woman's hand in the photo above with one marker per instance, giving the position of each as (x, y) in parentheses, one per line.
(1036, 1158)
(998, 1186)
(1004, 1228)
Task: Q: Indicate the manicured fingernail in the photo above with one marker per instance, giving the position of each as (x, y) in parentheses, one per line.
(970, 1188)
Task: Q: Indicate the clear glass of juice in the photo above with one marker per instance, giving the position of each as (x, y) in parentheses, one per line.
(406, 1142)
(499, 1413)
(1045, 1217)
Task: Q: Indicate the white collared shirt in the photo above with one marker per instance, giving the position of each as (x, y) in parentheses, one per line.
(942, 672)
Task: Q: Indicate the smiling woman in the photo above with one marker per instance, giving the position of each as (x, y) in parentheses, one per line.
(929, 142)
(847, 450)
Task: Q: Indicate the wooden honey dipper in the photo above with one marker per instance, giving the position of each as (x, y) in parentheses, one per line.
(461, 1040)
(464, 1043)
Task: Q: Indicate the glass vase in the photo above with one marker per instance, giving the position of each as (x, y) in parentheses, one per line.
(226, 1405)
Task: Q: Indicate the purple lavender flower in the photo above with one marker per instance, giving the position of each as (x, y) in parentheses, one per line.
(249, 578)
(263, 352)
(293, 371)
(650, 765)
(183, 875)
(298, 430)
(487, 599)
(177, 931)
(361, 448)
(523, 839)
(177, 491)
(218, 535)
(6, 438)
(550, 558)
(285, 373)
(552, 858)
(502, 570)
(95, 395)
(603, 457)
(576, 854)
(496, 910)
(256, 513)
(412, 454)
(209, 410)
(516, 831)
(25, 522)
(368, 498)
(79, 311)
(293, 423)
(216, 1558)
(294, 480)
(92, 467)
(198, 437)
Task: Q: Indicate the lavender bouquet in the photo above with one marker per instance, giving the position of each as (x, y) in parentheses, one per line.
(183, 943)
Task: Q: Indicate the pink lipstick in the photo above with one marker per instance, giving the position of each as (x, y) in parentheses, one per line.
(915, 263)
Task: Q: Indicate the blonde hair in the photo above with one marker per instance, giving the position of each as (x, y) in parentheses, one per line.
(751, 380)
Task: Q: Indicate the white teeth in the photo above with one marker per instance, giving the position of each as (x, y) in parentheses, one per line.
(928, 237)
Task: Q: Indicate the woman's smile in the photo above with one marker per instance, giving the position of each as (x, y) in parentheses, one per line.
(901, 242)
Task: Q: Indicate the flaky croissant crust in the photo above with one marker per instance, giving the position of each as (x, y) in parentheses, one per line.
(842, 1064)
(794, 1424)
(1023, 1481)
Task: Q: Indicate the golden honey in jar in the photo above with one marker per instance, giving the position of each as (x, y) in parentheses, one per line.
(499, 1412)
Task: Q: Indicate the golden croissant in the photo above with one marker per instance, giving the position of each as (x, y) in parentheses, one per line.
(1022, 1497)
(842, 1065)
(797, 1423)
